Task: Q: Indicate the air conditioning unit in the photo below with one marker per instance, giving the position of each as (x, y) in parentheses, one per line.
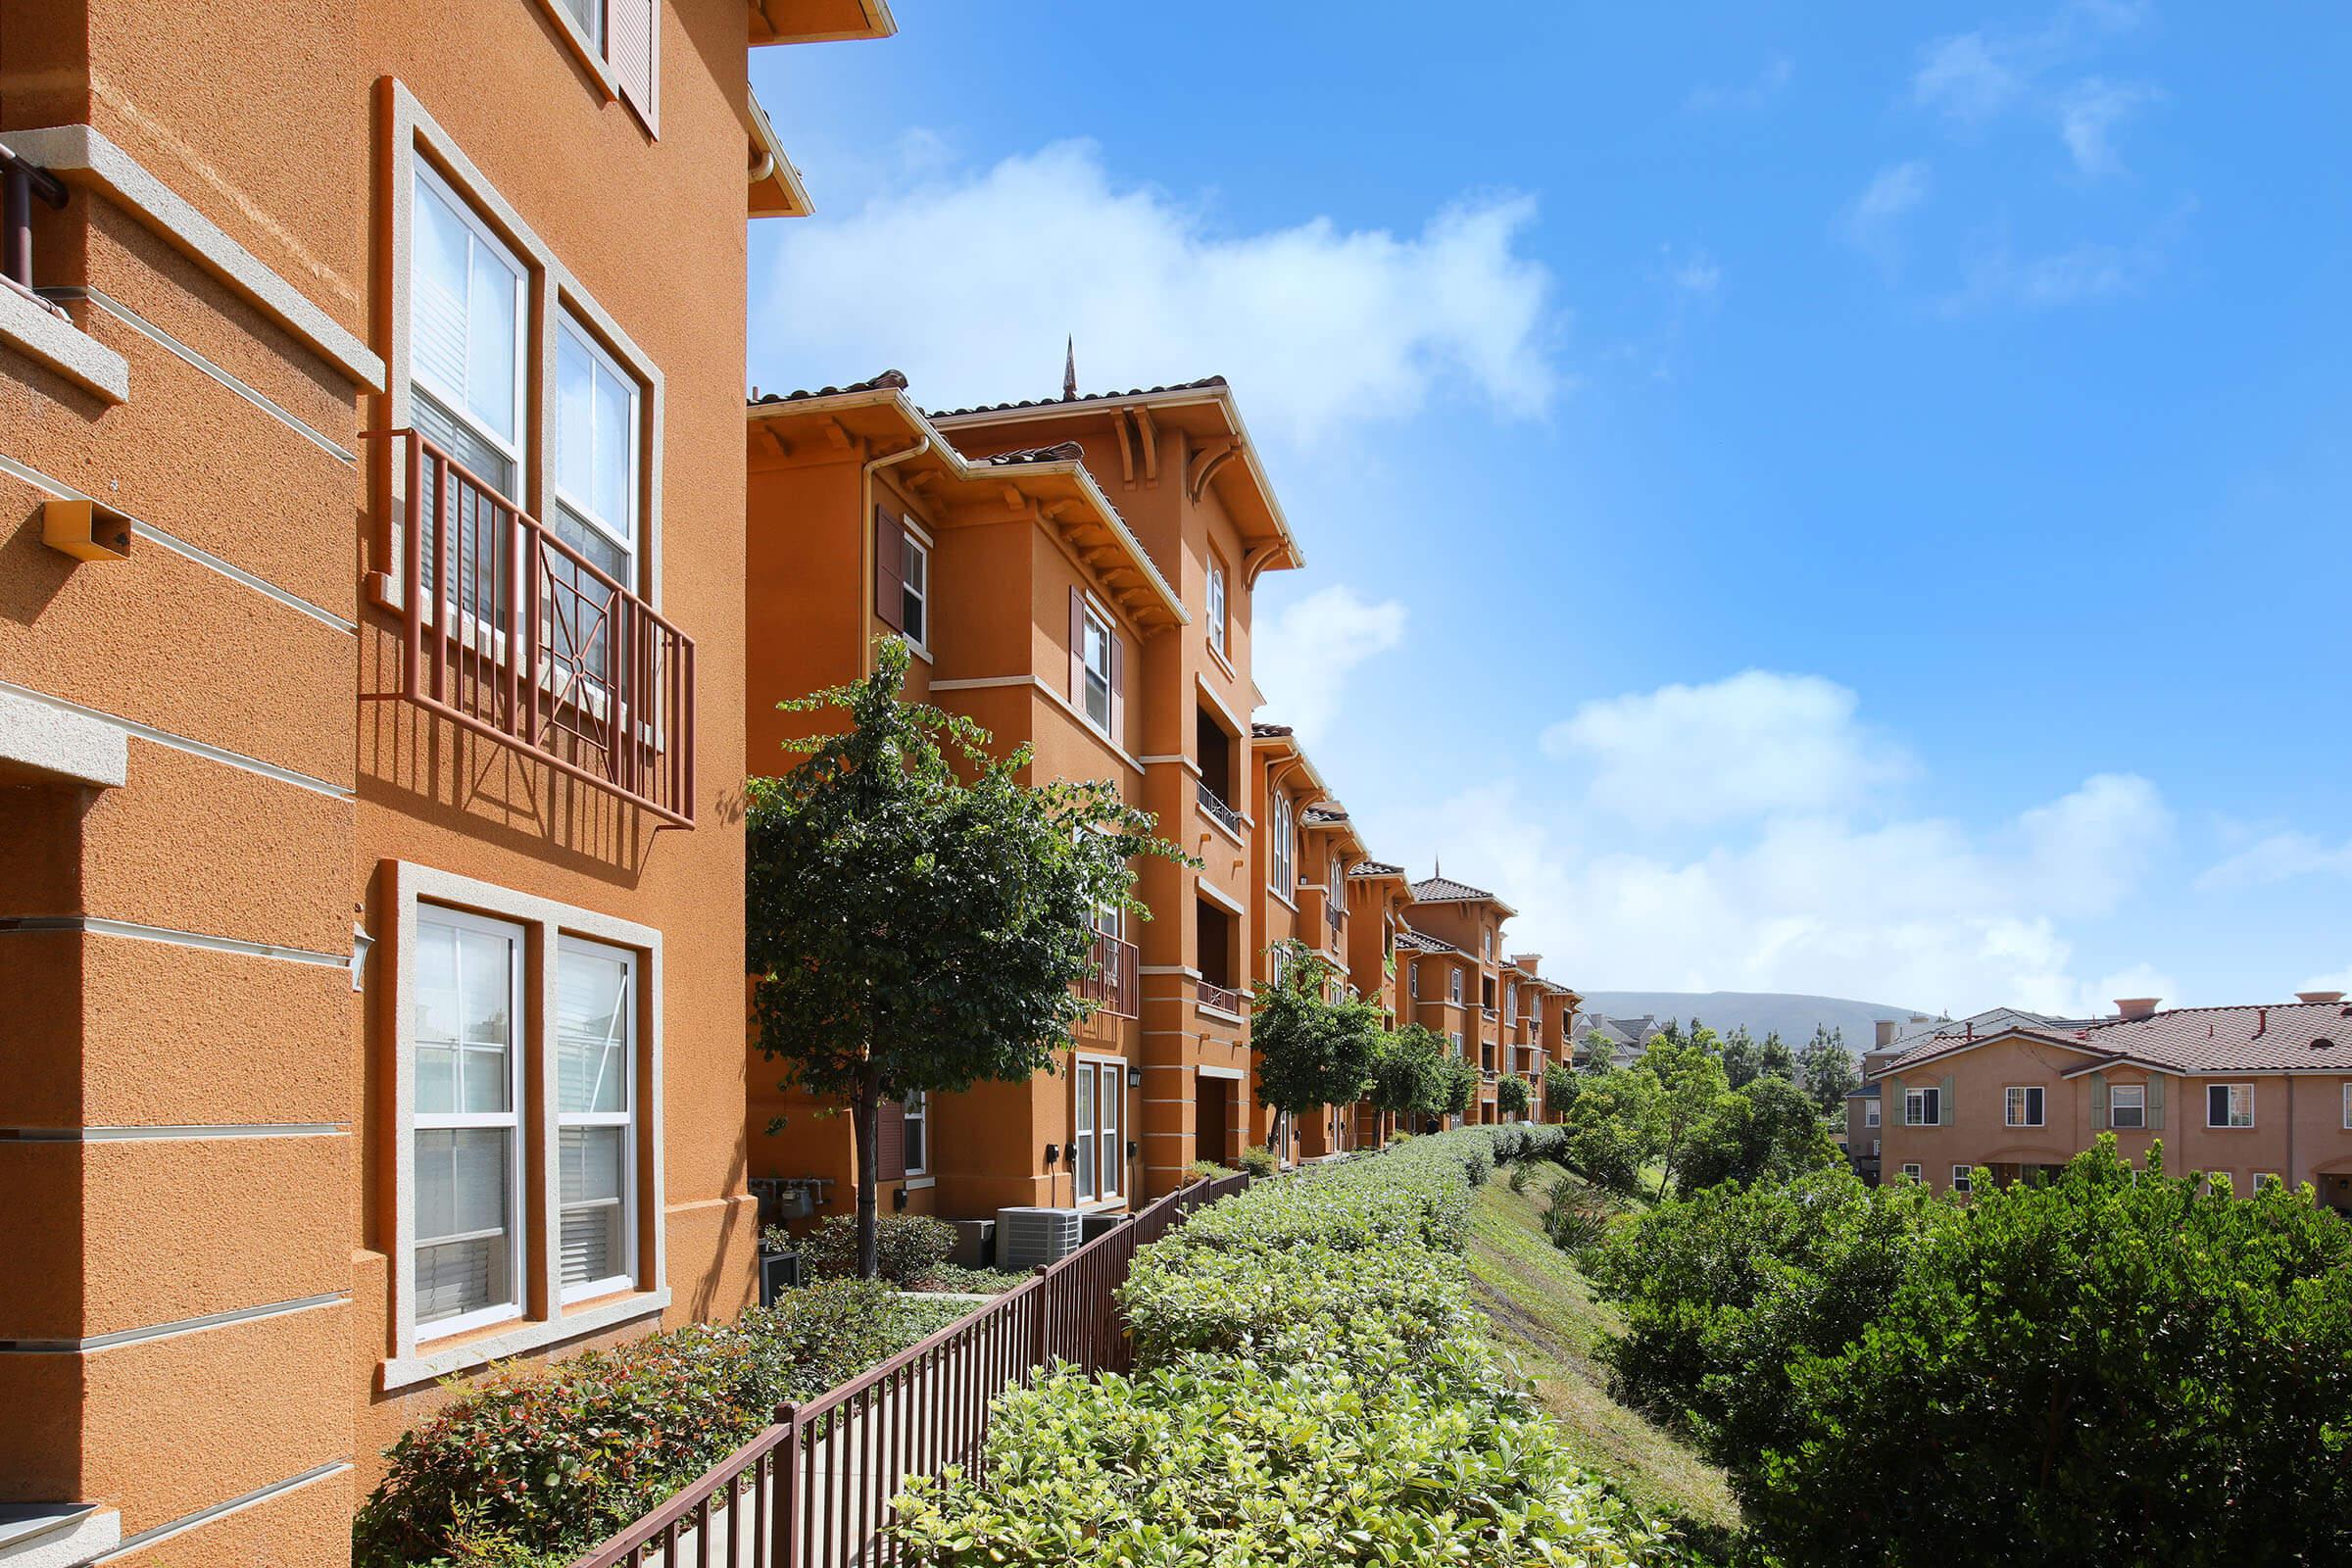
(1029, 1237)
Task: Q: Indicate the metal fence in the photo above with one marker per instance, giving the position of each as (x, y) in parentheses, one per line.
(815, 1490)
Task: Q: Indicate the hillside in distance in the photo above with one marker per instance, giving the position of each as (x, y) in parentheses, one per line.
(1791, 1015)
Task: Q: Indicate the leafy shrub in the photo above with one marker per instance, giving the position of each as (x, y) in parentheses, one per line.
(1766, 1129)
(776, 1238)
(1258, 1160)
(1511, 1096)
(968, 1280)
(907, 1247)
(1576, 1214)
(547, 1459)
(1519, 1174)
(1206, 1170)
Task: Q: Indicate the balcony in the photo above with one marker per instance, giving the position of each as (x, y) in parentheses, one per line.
(510, 633)
(1221, 997)
(1114, 987)
(1214, 805)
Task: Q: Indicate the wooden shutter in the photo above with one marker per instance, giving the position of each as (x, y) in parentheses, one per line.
(2155, 1102)
(1078, 650)
(890, 1143)
(1118, 689)
(2098, 1102)
(889, 547)
(1943, 1106)
(631, 30)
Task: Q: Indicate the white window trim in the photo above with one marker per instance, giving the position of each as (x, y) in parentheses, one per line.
(925, 1116)
(1911, 1169)
(1963, 1178)
(1920, 1098)
(1118, 1078)
(1095, 619)
(552, 290)
(2229, 1126)
(1217, 608)
(2139, 1090)
(568, 325)
(513, 1120)
(453, 399)
(920, 546)
(2347, 1097)
(1281, 865)
(545, 1320)
(1869, 1113)
(2023, 1094)
(627, 1119)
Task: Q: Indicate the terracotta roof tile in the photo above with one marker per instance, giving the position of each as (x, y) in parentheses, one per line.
(888, 379)
(1091, 397)
(1267, 732)
(1060, 451)
(1375, 868)
(2289, 1037)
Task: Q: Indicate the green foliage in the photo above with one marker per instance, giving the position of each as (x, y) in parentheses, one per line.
(1561, 1086)
(907, 1247)
(1774, 1058)
(1310, 1386)
(1408, 1071)
(969, 1281)
(543, 1461)
(1313, 1039)
(2115, 1366)
(1829, 1070)
(1741, 1059)
(1207, 1170)
(1689, 1079)
(1614, 1129)
(1576, 1214)
(918, 917)
(1259, 1160)
(1600, 1058)
(1462, 1085)
(1511, 1096)
(1767, 1129)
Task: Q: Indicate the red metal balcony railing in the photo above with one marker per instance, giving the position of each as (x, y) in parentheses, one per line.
(1115, 983)
(511, 633)
(1219, 997)
(1214, 805)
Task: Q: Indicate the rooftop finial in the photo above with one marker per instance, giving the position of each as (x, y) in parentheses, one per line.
(1069, 370)
(1436, 866)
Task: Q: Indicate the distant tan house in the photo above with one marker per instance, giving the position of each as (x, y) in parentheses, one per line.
(2248, 1091)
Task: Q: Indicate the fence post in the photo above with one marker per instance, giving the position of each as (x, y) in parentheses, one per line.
(1037, 1358)
(784, 1538)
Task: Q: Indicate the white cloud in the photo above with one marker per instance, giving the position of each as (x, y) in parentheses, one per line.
(2079, 274)
(2089, 114)
(1767, 85)
(2340, 980)
(976, 278)
(1967, 76)
(1894, 190)
(1698, 274)
(1303, 656)
(1753, 745)
(2278, 858)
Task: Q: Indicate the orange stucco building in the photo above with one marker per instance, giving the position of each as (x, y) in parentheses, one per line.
(1377, 894)
(2247, 1092)
(1075, 576)
(371, 685)
(1495, 1008)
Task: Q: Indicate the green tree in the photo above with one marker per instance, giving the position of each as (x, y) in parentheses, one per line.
(1510, 1095)
(1741, 1061)
(1560, 1089)
(1462, 1085)
(1690, 1083)
(916, 917)
(1828, 1069)
(1613, 1129)
(1313, 1039)
(1408, 1072)
(1774, 1058)
(1767, 1129)
(1600, 1057)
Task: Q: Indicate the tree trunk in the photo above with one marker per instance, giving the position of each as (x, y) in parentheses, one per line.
(866, 1113)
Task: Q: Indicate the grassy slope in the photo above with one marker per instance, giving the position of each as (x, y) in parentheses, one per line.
(1544, 1315)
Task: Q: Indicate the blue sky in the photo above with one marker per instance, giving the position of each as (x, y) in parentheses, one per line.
(1883, 470)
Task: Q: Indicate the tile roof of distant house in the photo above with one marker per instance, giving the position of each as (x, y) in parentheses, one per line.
(888, 379)
(2253, 1037)
(1265, 732)
(1445, 890)
(1375, 868)
(1091, 397)
(1409, 938)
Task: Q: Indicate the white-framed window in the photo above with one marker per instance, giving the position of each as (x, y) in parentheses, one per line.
(596, 1139)
(916, 1110)
(1456, 984)
(2021, 1106)
(525, 1133)
(467, 320)
(915, 591)
(596, 455)
(1413, 989)
(1911, 1171)
(1096, 661)
(1963, 1179)
(1487, 936)
(1098, 1157)
(2228, 1104)
(2261, 1176)
(2128, 1105)
(466, 1259)
(1869, 1114)
(1456, 1038)
(1216, 606)
(1284, 830)
(1337, 886)
(2347, 1097)
(1510, 1003)
(1922, 1108)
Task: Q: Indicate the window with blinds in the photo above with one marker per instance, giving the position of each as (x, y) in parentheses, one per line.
(595, 1052)
(467, 1137)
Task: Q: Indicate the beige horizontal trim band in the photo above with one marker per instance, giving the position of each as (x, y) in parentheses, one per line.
(235, 383)
(172, 1330)
(181, 743)
(1186, 970)
(49, 338)
(81, 155)
(178, 545)
(219, 1510)
(193, 1129)
(428, 1364)
(1232, 1074)
(99, 926)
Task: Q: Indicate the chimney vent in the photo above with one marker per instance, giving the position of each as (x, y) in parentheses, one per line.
(2319, 996)
(2134, 1009)
(1886, 1029)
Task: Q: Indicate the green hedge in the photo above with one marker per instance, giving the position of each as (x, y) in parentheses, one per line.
(1310, 1388)
(539, 1462)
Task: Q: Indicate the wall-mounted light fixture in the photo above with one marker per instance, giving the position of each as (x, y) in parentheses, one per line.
(1053, 1153)
(1135, 1077)
(897, 1197)
(1133, 1148)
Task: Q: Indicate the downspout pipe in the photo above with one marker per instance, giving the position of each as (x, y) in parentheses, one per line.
(865, 525)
